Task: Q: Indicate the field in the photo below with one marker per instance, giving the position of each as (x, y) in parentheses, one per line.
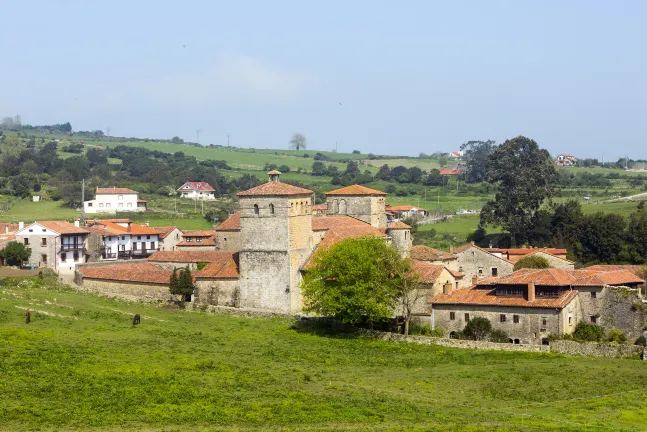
(29, 211)
(81, 365)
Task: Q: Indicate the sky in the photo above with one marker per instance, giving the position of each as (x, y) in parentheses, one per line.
(384, 77)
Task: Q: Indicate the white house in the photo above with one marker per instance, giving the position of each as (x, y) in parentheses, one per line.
(197, 190)
(456, 154)
(123, 239)
(59, 245)
(565, 159)
(113, 199)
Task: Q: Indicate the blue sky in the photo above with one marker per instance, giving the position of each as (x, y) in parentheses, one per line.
(378, 76)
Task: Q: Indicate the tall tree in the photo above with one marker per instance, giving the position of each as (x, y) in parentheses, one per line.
(351, 281)
(525, 175)
(15, 253)
(476, 154)
(298, 141)
(637, 236)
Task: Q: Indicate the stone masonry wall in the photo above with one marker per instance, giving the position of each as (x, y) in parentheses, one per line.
(556, 262)
(222, 292)
(595, 349)
(370, 209)
(476, 262)
(401, 241)
(128, 291)
(228, 241)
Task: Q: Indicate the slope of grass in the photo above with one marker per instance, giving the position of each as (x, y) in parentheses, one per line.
(26, 210)
(81, 365)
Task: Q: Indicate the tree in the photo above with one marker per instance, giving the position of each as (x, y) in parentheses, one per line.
(477, 328)
(298, 142)
(637, 238)
(525, 175)
(182, 283)
(602, 238)
(532, 262)
(476, 154)
(407, 285)
(177, 140)
(15, 253)
(384, 173)
(351, 281)
(318, 168)
(173, 284)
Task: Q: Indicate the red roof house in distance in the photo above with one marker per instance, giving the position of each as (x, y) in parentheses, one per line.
(197, 190)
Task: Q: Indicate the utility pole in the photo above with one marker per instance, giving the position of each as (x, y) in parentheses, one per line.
(202, 206)
(108, 129)
(83, 202)
(228, 139)
(197, 133)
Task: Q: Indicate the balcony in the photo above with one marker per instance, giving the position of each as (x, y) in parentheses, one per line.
(124, 254)
(143, 252)
(72, 247)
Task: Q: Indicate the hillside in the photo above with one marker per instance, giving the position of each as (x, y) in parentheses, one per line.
(81, 365)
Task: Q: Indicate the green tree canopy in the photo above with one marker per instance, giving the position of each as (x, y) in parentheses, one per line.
(15, 253)
(532, 262)
(298, 142)
(352, 281)
(525, 175)
(182, 283)
(476, 156)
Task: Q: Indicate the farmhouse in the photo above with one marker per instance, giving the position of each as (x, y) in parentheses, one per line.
(566, 159)
(113, 239)
(169, 237)
(474, 261)
(59, 245)
(197, 191)
(406, 212)
(113, 199)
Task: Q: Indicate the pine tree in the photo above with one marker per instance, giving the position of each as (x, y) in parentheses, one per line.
(185, 283)
(173, 285)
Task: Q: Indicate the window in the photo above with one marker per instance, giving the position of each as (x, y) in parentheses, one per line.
(198, 239)
(100, 204)
(134, 246)
(76, 256)
(139, 237)
(43, 258)
(495, 272)
(544, 322)
(594, 319)
(129, 204)
(467, 317)
(515, 319)
(460, 269)
(255, 209)
(107, 204)
(502, 317)
(594, 294)
(189, 239)
(31, 230)
(509, 291)
(26, 242)
(452, 316)
(89, 204)
(123, 237)
(121, 197)
(272, 209)
(63, 257)
(44, 230)
(570, 320)
(43, 241)
(148, 237)
(152, 245)
(547, 292)
(480, 272)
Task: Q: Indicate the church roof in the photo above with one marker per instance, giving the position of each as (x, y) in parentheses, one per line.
(232, 223)
(274, 172)
(275, 188)
(356, 190)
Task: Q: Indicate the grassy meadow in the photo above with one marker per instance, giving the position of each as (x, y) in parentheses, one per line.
(81, 365)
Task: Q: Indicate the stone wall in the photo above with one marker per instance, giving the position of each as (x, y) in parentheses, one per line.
(596, 349)
(222, 292)
(228, 241)
(477, 262)
(265, 280)
(401, 241)
(145, 292)
(370, 209)
(38, 250)
(556, 262)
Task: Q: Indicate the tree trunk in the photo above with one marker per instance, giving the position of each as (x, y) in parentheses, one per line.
(407, 320)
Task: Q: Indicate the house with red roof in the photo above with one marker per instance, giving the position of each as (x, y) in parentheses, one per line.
(59, 245)
(197, 191)
(530, 305)
(566, 159)
(113, 239)
(114, 199)
(405, 212)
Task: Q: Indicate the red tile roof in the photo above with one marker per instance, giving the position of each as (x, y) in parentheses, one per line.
(468, 246)
(320, 207)
(274, 172)
(208, 241)
(323, 223)
(232, 223)
(632, 268)
(562, 277)
(187, 256)
(62, 227)
(140, 272)
(165, 230)
(277, 188)
(356, 190)
(401, 208)
(6, 228)
(486, 296)
(426, 253)
(451, 172)
(199, 233)
(199, 186)
(225, 267)
(398, 226)
(115, 190)
(112, 227)
(426, 271)
(517, 253)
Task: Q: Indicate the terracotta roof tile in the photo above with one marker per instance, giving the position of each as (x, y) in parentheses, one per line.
(62, 227)
(451, 172)
(274, 172)
(485, 296)
(320, 207)
(199, 186)
(632, 268)
(356, 190)
(398, 226)
(187, 256)
(563, 277)
(112, 226)
(232, 223)
(401, 208)
(165, 230)
(323, 223)
(275, 188)
(115, 190)
(225, 267)
(140, 272)
(426, 253)
(6, 228)
(426, 271)
(209, 241)
(199, 233)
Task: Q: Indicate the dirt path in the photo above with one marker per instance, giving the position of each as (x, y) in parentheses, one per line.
(637, 197)
(9, 272)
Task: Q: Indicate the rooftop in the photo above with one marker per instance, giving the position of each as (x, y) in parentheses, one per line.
(426, 253)
(187, 256)
(356, 190)
(426, 271)
(199, 233)
(232, 223)
(61, 227)
(199, 186)
(139, 272)
(562, 277)
(224, 267)
(486, 296)
(165, 230)
(115, 190)
(398, 226)
(275, 188)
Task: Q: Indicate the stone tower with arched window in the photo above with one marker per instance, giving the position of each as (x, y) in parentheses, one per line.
(401, 240)
(360, 202)
(276, 240)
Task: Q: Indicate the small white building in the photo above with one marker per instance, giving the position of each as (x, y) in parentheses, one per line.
(122, 239)
(566, 159)
(197, 190)
(113, 199)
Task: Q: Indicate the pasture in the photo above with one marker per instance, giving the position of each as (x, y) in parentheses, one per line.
(81, 365)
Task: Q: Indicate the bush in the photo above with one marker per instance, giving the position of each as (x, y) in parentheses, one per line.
(477, 328)
(641, 341)
(420, 330)
(587, 332)
(437, 332)
(498, 336)
(532, 262)
(616, 336)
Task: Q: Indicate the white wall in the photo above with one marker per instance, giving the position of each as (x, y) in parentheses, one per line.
(111, 203)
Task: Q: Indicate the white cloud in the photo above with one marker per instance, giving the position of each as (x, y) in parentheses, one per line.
(230, 78)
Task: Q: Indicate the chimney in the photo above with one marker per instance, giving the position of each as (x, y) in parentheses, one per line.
(6, 229)
(474, 279)
(451, 249)
(76, 223)
(531, 291)
(21, 225)
(447, 289)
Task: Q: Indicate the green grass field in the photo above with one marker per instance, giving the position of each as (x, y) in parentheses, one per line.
(29, 211)
(81, 365)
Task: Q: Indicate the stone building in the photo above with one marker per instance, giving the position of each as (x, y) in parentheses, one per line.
(169, 237)
(360, 202)
(197, 240)
(228, 234)
(530, 305)
(434, 279)
(115, 239)
(434, 256)
(401, 240)
(474, 261)
(515, 254)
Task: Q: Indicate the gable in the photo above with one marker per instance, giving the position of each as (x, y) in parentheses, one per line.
(36, 229)
(465, 253)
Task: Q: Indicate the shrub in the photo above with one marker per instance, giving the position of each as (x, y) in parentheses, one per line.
(641, 341)
(420, 330)
(437, 332)
(532, 262)
(588, 332)
(616, 336)
(477, 328)
(498, 336)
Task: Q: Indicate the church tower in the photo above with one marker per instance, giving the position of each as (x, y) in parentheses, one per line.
(276, 240)
(360, 202)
